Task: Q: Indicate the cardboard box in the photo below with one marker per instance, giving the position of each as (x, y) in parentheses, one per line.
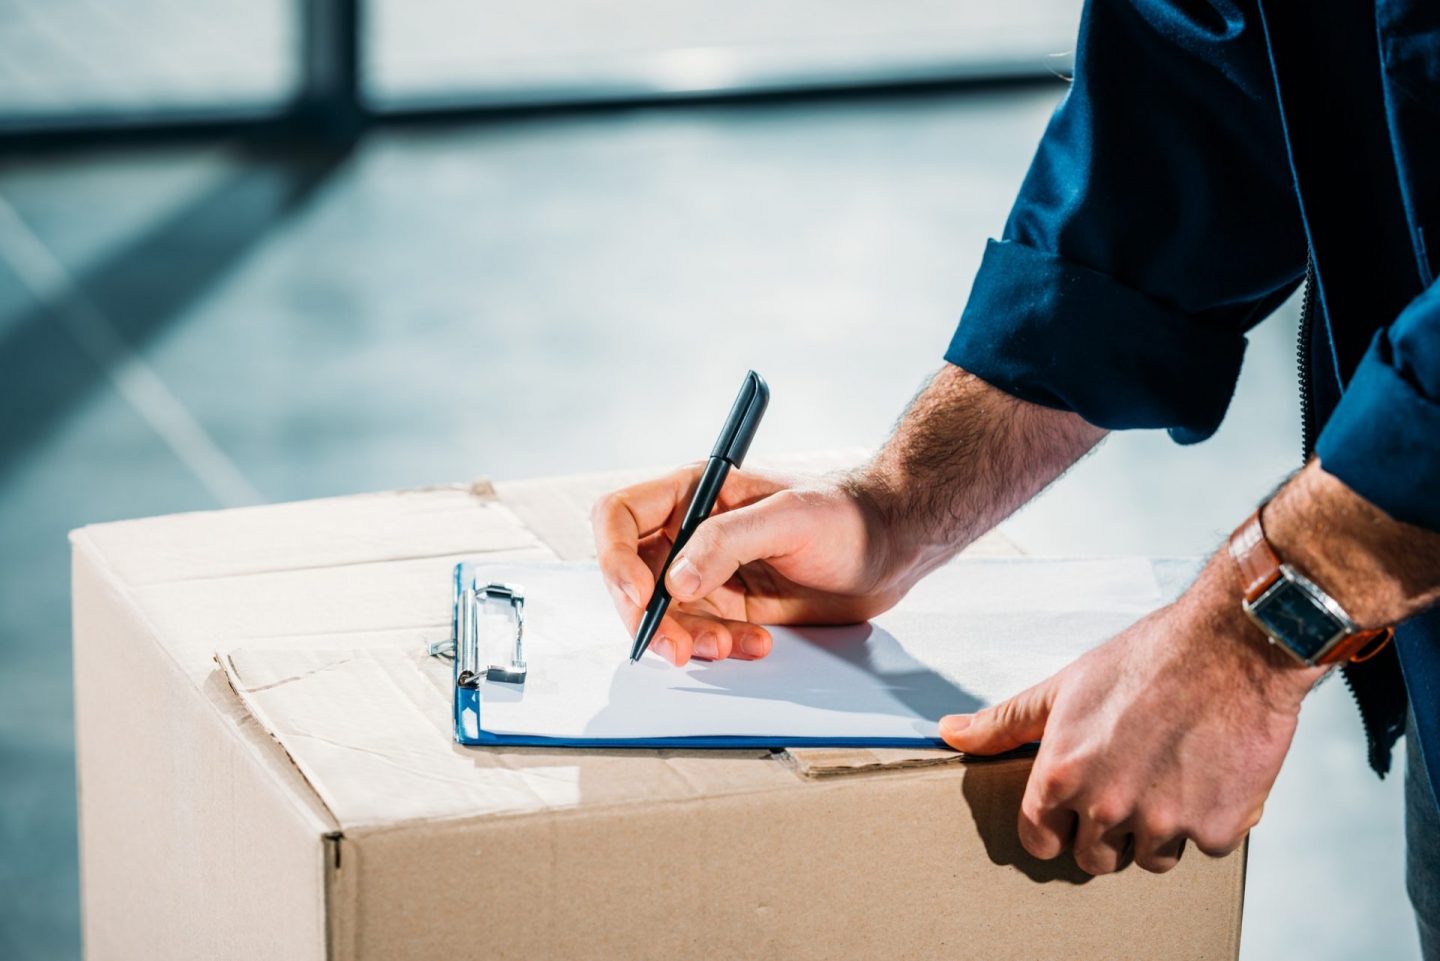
(202, 838)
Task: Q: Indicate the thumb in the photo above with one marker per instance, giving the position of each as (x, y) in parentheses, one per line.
(768, 528)
(1005, 726)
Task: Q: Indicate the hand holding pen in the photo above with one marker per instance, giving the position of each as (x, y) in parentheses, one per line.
(775, 550)
(729, 451)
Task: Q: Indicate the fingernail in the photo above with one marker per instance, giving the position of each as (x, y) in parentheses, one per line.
(707, 645)
(629, 591)
(753, 645)
(665, 648)
(955, 724)
(684, 578)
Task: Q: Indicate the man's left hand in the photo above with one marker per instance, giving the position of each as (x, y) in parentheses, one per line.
(1172, 730)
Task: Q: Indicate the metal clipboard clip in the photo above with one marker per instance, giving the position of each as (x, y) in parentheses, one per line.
(465, 646)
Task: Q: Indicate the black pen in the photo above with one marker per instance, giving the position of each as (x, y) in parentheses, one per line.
(729, 451)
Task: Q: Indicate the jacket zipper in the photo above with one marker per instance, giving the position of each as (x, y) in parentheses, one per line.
(1302, 360)
(1307, 449)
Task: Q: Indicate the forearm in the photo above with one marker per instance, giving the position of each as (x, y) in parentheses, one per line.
(1380, 570)
(964, 456)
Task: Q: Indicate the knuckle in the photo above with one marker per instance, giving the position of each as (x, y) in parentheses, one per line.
(1157, 863)
(789, 508)
(811, 500)
(1036, 847)
(1059, 780)
(1091, 863)
(1158, 825)
(1215, 843)
(724, 643)
(1005, 713)
(707, 540)
(1037, 840)
(684, 645)
(723, 639)
(605, 506)
(1106, 811)
(787, 499)
(1032, 811)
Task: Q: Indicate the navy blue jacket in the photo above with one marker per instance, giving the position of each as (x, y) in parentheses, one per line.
(1205, 153)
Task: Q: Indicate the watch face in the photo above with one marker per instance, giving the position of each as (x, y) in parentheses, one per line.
(1296, 619)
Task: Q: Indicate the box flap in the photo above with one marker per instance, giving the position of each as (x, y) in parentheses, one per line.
(329, 532)
(369, 729)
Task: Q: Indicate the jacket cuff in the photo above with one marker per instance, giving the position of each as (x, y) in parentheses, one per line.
(1383, 441)
(1061, 335)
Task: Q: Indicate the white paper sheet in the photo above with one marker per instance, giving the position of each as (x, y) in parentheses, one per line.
(972, 634)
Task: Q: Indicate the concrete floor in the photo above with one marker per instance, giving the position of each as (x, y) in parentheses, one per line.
(191, 328)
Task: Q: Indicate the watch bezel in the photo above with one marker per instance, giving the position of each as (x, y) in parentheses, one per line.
(1290, 577)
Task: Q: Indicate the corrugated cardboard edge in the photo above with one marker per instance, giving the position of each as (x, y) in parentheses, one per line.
(341, 895)
(819, 762)
(136, 801)
(255, 737)
(232, 679)
(1237, 916)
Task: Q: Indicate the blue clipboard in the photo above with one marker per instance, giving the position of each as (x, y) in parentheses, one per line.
(468, 647)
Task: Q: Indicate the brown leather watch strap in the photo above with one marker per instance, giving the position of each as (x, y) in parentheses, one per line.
(1259, 564)
(1360, 646)
(1260, 568)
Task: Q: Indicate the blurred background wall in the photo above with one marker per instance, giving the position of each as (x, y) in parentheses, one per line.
(259, 250)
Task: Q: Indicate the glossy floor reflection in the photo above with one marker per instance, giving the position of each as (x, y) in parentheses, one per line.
(185, 329)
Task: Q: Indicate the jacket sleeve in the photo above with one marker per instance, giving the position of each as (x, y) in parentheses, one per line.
(1383, 440)
(1157, 224)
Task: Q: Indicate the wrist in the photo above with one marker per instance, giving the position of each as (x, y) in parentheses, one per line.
(1347, 546)
(1216, 599)
(896, 552)
(963, 457)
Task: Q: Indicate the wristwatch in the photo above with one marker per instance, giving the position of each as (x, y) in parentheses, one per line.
(1295, 612)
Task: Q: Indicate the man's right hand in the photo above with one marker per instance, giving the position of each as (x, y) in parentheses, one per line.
(777, 550)
(784, 551)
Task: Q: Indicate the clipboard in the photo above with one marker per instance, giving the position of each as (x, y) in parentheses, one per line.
(539, 659)
(488, 651)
